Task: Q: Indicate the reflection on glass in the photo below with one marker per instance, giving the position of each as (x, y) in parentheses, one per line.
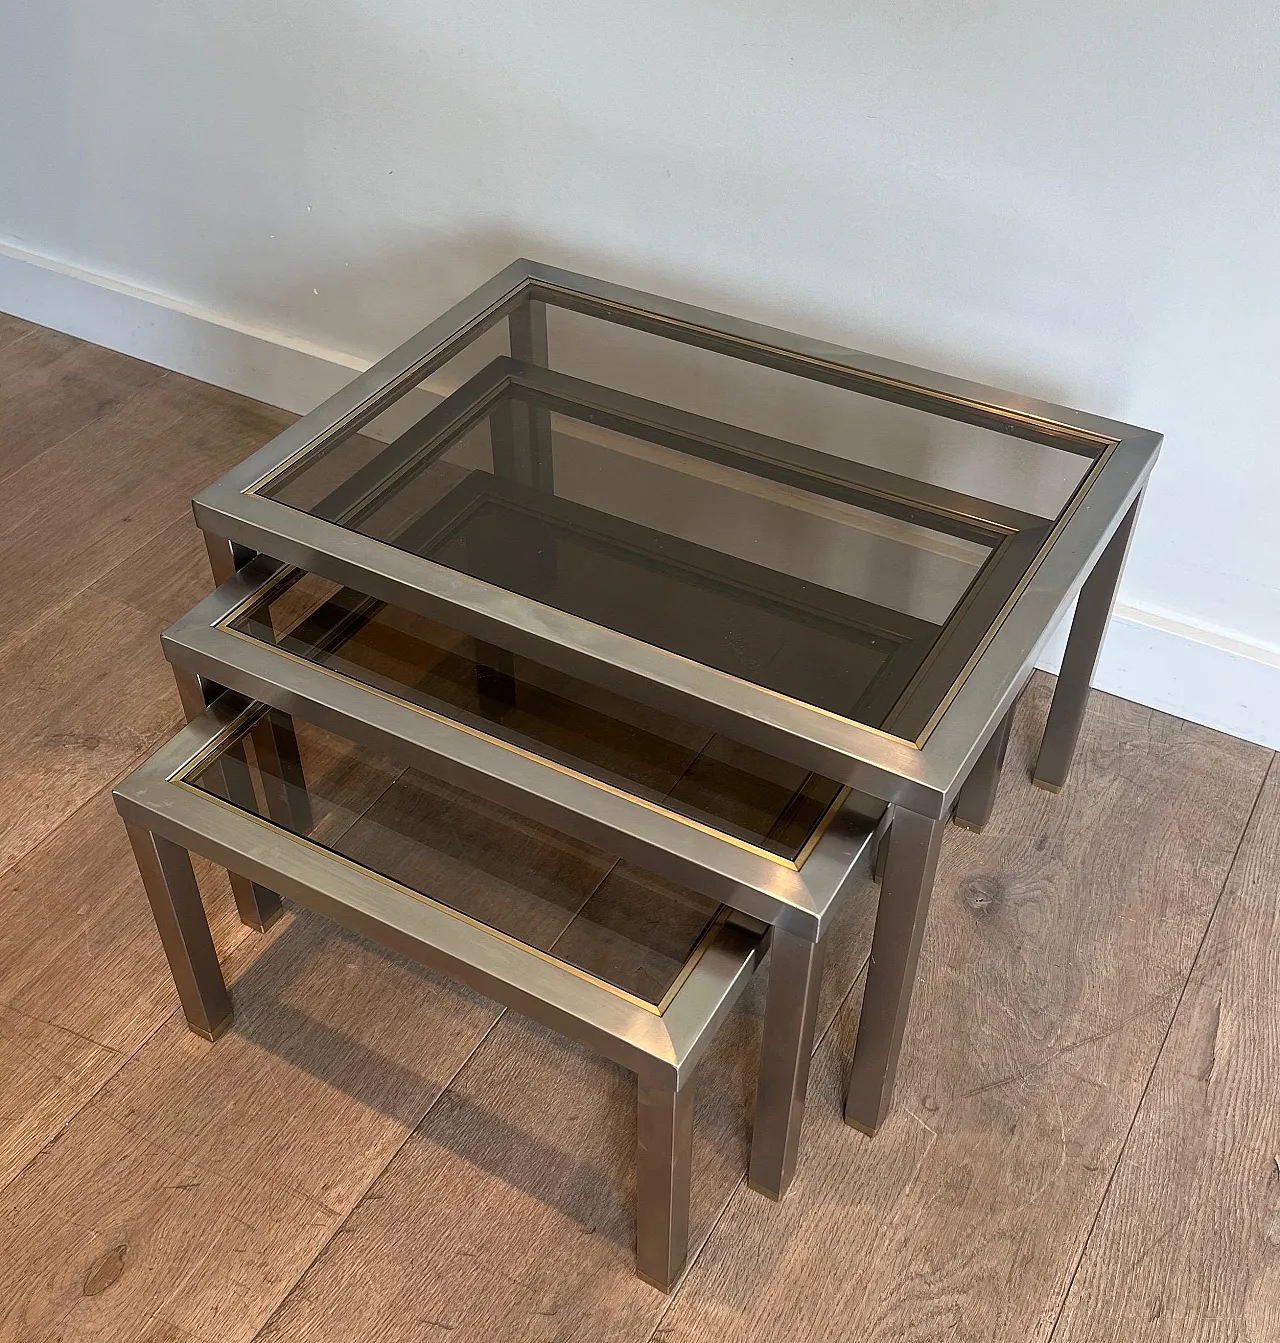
(725, 785)
(583, 907)
(844, 551)
(806, 594)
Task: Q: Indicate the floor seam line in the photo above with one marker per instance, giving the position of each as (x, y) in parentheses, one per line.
(50, 612)
(97, 419)
(342, 1222)
(742, 1180)
(1155, 1063)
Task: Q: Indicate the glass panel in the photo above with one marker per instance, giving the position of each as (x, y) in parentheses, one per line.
(842, 550)
(848, 425)
(719, 783)
(546, 890)
(806, 594)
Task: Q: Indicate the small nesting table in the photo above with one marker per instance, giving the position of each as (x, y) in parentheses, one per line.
(738, 608)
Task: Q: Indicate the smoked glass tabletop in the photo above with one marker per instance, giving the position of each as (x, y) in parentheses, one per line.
(616, 924)
(705, 778)
(837, 549)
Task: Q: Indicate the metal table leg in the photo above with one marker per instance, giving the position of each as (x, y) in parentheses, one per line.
(791, 1011)
(184, 930)
(495, 677)
(225, 557)
(978, 795)
(880, 851)
(910, 867)
(529, 450)
(1088, 626)
(275, 746)
(258, 907)
(664, 1156)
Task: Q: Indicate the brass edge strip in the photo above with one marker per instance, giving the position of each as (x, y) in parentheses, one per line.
(824, 823)
(654, 1010)
(1016, 416)
(391, 389)
(690, 662)
(562, 403)
(239, 724)
(1053, 427)
(790, 864)
(700, 949)
(993, 629)
(963, 605)
(268, 593)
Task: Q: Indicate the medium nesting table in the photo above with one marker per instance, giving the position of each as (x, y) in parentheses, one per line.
(737, 662)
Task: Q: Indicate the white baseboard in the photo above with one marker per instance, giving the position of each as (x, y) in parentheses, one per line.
(1155, 658)
(267, 365)
(1189, 670)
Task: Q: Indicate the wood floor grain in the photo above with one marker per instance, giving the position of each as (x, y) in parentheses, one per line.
(509, 1214)
(240, 1161)
(1058, 944)
(1187, 1248)
(83, 982)
(223, 1171)
(78, 508)
(164, 578)
(1086, 1128)
(14, 328)
(63, 736)
(51, 385)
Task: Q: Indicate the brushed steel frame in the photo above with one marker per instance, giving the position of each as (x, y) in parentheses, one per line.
(923, 775)
(506, 390)
(800, 896)
(977, 798)
(168, 819)
(919, 776)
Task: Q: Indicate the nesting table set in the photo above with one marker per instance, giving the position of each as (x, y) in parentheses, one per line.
(590, 700)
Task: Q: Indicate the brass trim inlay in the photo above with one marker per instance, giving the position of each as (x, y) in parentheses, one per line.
(461, 338)
(680, 657)
(700, 949)
(1082, 490)
(1022, 417)
(394, 387)
(239, 724)
(451, 344)
(791, 864)
(823, 825)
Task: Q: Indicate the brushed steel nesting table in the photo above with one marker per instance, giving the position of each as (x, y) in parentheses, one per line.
(737, 612)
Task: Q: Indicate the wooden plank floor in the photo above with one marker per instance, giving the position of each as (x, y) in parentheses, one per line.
(1085, 1146)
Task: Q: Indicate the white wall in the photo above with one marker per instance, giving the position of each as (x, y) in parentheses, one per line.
(1080, 201)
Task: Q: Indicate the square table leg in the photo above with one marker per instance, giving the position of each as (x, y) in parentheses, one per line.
(880, 843)
(664, 1159)
(526, 455)
(495, 677)
(1088, 627)
(275, 747)
(977, 796)
(258, 907)
(184, 930)
(225, 557)
(910, 868)
(791, 1012)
